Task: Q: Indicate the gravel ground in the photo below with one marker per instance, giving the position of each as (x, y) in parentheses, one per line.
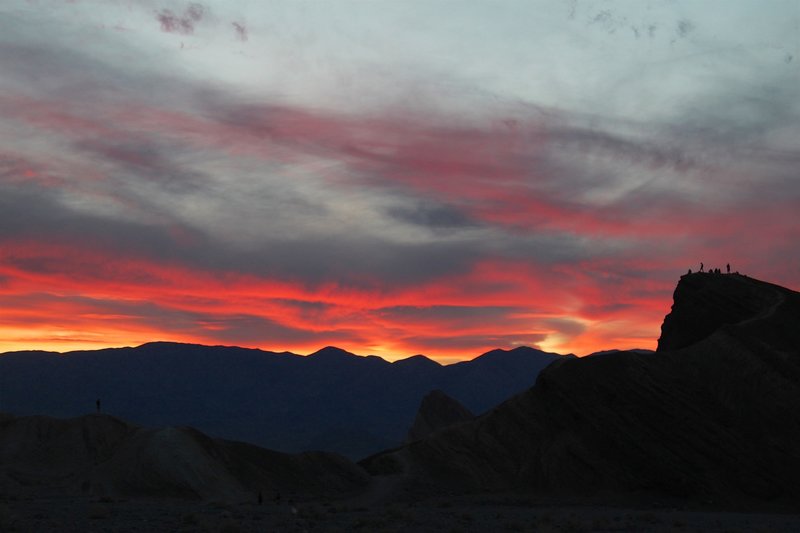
(441, 514)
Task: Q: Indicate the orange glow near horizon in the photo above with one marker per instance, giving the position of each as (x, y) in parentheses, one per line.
(96, 337)
(130, 302)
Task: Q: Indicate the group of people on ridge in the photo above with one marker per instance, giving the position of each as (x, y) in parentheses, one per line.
(713, 270)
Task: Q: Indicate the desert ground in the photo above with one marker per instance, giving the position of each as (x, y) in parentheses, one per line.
(439, 514)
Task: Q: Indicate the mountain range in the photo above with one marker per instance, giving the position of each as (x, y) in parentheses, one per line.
(711, 417)
(331, 400)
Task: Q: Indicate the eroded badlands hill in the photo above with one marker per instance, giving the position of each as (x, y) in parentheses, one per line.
(102, 455)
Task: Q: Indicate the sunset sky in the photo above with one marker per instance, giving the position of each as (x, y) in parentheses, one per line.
(391, 177)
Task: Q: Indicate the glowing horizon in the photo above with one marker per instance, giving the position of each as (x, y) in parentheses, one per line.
(389, 178)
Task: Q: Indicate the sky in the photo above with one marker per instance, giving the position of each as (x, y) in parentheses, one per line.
(391, 177)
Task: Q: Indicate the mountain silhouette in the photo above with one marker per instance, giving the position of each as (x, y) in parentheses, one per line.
(331, 400)
(711, 416)
(102, 455)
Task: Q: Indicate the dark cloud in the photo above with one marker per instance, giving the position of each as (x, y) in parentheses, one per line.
(306, 308)
(684, 27)
(605, 309)
(651, 151)
(185, 23)
(63, 73)
(565, 326)
(250, 329)
(451, 314)
(146, 159)
(431, 216)
(470, 343)
(355, 260)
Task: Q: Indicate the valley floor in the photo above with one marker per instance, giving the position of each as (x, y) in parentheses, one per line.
(441, 514)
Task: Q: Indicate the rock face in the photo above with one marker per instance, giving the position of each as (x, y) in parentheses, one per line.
(703, 303)
(711, 416)
(437, 411)
(102, 455)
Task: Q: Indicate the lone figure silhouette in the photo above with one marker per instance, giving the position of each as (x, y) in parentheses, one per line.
(97, 403)
(701, 267)
(728, 266)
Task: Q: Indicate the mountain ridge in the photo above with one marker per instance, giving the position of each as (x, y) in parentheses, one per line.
(331, 399)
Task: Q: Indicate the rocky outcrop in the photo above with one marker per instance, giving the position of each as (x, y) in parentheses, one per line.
(708, 417)
(705, 302)
(102, 455)
(437, 411)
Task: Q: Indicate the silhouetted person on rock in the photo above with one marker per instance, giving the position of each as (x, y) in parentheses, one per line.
(728, 266)
(97, 403)
(701, 267)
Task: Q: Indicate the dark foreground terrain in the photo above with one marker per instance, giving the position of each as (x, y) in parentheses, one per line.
(451, 514)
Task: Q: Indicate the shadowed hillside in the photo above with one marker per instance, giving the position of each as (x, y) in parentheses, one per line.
(331, 400)
(102, 455)
(711, 416)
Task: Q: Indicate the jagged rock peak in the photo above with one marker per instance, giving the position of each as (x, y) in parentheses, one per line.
(437, 411)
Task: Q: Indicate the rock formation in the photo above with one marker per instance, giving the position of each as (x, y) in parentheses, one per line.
(437, 411)
(712, 416)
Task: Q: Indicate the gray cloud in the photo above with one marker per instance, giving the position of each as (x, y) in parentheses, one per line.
(148, 160)
(467, 343)
(431, 216)
(565, 326)
(250, 329)
(455, 316)
(352, 260)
